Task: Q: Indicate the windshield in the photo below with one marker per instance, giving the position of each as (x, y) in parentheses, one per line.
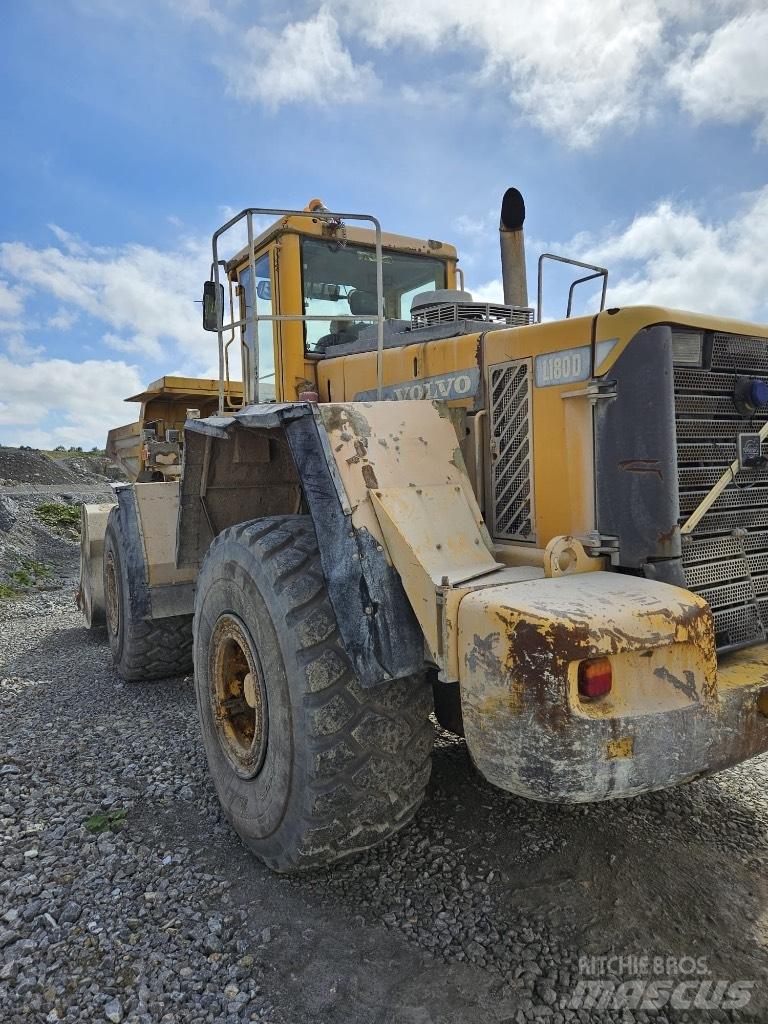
(340, 280)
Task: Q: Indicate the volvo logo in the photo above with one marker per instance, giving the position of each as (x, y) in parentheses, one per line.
(463, 384)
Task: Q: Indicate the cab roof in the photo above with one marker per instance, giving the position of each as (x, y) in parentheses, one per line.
(184, 387)
(362, 236)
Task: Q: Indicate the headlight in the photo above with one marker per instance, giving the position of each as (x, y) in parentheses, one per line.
(687, 347)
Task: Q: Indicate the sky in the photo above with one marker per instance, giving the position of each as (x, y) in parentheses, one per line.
(637, 131)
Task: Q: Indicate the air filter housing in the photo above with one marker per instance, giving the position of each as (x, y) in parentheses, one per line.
(448, 305)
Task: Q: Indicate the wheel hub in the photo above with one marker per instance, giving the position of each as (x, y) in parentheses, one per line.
(238, 698)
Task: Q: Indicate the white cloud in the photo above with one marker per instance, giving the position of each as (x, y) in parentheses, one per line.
(202, 10)
(674, 256)
(87, 399)
(11, 306)
(18, 347)
(305, 63)
(490, 291)
(723, 76)
(10, 300)
(62, 319)
(144, 296)
(573, 69)
(476, 228)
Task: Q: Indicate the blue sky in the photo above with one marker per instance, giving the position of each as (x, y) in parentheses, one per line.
(636, 129)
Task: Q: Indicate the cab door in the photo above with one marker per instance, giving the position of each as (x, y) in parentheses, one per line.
(262, 336)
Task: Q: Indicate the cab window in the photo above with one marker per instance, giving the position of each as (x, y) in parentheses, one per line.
(340, 280)
(266, 328)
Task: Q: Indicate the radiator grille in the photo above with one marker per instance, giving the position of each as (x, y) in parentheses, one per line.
(726, 559)
(510, 434)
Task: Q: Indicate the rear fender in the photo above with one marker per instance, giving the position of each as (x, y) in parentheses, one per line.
(526, 727)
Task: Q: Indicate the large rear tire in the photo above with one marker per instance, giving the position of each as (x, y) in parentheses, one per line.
(141, 648)
(309, 766)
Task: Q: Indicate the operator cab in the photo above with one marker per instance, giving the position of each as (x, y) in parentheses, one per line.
(315, 286)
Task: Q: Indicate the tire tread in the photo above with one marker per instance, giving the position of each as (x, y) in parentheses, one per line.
(370, 749)
(152, 649)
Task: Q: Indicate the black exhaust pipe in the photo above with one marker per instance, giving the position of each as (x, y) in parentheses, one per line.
(513, 248)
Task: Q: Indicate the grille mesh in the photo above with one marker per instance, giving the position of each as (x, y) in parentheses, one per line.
(726, 559)
(510, 430)
(488, 312)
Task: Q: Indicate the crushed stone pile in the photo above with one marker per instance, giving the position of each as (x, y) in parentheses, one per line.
(37, 552)
(29, 466)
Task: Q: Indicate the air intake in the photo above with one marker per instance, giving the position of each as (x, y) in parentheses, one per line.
(447, 306)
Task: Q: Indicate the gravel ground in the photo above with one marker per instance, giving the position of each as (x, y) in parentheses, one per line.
(480, 910)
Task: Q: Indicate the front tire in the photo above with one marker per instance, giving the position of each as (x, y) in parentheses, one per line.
(308, 765)
(141, 648)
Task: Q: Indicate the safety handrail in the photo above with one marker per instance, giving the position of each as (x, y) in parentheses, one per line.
(598, 272)
(251, 386)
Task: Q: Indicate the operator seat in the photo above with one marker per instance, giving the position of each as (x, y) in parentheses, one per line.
(361, 303)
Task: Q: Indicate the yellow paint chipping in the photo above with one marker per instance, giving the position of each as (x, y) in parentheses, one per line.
(624, 747)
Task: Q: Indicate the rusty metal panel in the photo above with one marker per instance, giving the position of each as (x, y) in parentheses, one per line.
(400, 469)
(530, 732)
(378, 445)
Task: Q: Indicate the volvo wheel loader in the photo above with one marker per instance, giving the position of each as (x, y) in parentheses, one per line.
(553, 535)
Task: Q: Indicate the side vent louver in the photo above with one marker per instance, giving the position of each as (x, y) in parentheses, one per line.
(511, 482)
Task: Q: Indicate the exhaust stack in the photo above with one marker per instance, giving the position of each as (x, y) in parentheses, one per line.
(513, 248)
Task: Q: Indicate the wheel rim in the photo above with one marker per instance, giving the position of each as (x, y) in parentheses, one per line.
(111, 596)
(238, 698)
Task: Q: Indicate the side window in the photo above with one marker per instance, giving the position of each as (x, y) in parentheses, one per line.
(266, 328)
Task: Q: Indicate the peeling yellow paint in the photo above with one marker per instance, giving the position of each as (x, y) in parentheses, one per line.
(624, 747)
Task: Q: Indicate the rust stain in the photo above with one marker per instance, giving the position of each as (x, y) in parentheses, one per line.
(667, 536)
(369, 476)
(481, 657)
(686, 686)
(345, 419)
(542, 651)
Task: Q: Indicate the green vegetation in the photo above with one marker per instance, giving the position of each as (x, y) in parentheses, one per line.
(60, 453)
(106, 821)
(28, 574)
(64, 518)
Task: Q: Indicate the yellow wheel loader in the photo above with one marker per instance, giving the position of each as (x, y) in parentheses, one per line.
(554, 535)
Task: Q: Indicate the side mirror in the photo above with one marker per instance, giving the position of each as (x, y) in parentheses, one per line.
(213, 310)
(264, 289)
